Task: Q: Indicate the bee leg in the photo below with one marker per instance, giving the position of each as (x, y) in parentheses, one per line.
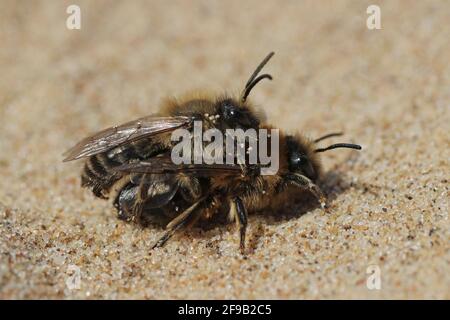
(305, 183)
(140, 198)
(188, 215)
(124, 202)
(239, 212)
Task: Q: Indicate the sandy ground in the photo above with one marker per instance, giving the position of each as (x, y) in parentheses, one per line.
(388, 89)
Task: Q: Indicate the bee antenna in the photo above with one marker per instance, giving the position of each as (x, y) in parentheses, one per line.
(254, 79)
(340, 145)
(252, 84)
(258, 69)
(334, 134)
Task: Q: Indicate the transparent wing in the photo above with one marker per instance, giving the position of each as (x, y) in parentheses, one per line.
(160, 165)
(130, 131)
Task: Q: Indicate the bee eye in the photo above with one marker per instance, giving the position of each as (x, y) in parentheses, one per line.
(236, 115)
(297, 161)
(300, 160)
(230, 112)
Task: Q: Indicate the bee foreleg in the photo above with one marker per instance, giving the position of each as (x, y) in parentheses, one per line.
(305, 183)
(188, 215)
(239, 212)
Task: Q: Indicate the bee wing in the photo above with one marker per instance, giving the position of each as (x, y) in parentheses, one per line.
(127, 132)
(160, 165)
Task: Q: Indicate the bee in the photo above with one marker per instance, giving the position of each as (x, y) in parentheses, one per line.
(131, 164)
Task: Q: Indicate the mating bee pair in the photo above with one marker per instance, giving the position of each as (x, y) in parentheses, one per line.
(132, 164)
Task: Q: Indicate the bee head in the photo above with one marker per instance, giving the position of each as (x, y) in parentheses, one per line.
(236, 114)
(301, 158)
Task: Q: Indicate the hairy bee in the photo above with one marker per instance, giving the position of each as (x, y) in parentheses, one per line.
(132, 164)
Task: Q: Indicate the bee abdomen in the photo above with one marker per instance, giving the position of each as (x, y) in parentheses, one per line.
(98, 174)
(97, 167)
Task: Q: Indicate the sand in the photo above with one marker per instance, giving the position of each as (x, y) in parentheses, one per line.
(388, 89)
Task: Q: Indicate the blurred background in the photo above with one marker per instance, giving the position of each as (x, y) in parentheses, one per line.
(388, 89)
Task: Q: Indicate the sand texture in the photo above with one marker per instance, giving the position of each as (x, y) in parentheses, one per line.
(388, 89)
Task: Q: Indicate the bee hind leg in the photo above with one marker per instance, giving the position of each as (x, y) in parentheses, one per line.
(188, 216)
(239, 213)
